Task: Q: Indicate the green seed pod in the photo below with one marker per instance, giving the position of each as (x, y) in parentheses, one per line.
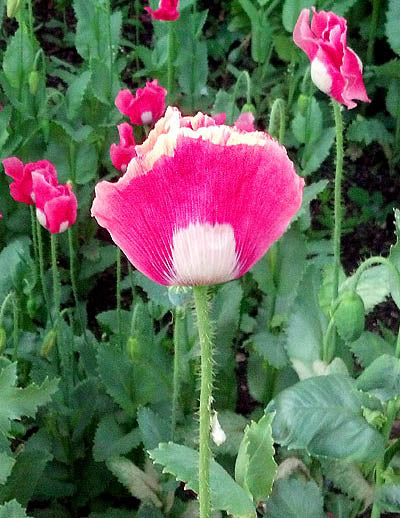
(133, 348)
(48, 343)
(249, 108)
(302, 103)
(32, 306)
(13, 7)
(349, 316)
(33, 81)
(3, 338)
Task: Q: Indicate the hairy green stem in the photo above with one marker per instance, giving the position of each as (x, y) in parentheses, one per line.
(278, 112)
(56, 276)
(34, 235)
(206, 381)
(243, 75)
(41, 269)
(15, 326)
(4, 305)
(170, 58)
(179, 323)
(376, 4)
(118, 295)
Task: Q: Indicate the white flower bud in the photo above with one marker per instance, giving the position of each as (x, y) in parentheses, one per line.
(217, 433)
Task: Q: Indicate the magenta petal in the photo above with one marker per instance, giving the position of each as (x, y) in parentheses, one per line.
(303, 36)
(245, 122)
(206, 213)
(61, 212)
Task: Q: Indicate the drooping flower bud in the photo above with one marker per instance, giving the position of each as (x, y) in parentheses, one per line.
(13, 7)
(349, 316)
(33, 81)
(48, 343)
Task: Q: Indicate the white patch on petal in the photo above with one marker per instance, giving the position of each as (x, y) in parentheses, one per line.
(33, 197)
(320, 76)
(204, 254)
(41, 217)
(63, 226)
(360, 63)
(147, 117)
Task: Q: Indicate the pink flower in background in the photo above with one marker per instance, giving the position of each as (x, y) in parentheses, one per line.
(220, 118)
(21, 187)
(201, 202)
(245, 122)
(122, 153)
(335, 68)
(167, 10)
(146, 107)
(56, 205)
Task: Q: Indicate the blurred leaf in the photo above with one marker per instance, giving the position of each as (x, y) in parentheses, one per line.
(320, 150)
(153, 428)
(367, 131)
(381, 378)
(6, 464)
(12, 509)
(293, 498)
(388, 497)
(324, 416)
(18, 57)
(255, 467)
(110, 440)
(392, 28)
(369, 347)
(291, 11)
(11, 258)
(226, 495)
(308, 131)
(393, 97)
(86, 162)
(270, 347)
(373, 287)
(76, 93)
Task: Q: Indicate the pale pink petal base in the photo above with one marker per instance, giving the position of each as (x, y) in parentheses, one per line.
(207, 210)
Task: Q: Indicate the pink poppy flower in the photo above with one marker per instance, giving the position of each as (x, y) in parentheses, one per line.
(245, 122)
(167, 11)
(201, 202)
(219, 118)
(122, 153)
(21, 188)
(335, 68)
(146, 107)
(56, 205)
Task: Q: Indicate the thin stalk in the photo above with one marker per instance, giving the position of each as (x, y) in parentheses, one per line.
(56, 276)
(41, 269)
(277, 110)
(34, 235)
(179, 324)
(170, 58)
(206, 381)
(110, 50)
(138, 9)
(118, 295)
(15, 326)
(73, 280)
(244, 74)
(4, 305)
(376, 4)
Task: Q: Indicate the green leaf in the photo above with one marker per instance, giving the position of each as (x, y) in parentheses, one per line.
(300, 126)
(224, 103)
(324, 416)
(293, 498)
(348, 477)
(155, 292)
(291, 10)
(255, 467)
(369, 347)
(106, 257)
(394, 257)
(226, 495)
(369, 130)
(393, 97)
(388, 497)
(110, 440)
(12, 509)
(192, 74)
(310, 193)
(6, 465)
(86, 163)
(374, 286)
(11, 257)
(392, 27)
(153, 428)
(319, 151)
(25, 475)
(270, 347)
(18, 58)
(76, 93)
(140, 484)
(381, 378)
(18, 402)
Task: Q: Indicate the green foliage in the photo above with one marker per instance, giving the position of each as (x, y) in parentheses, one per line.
(381, 378)
(293, 498)
(226, 495)
(12, 509)
(392, 33)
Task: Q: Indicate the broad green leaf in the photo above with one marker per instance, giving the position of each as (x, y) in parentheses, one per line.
(306, 325)
(394, 257)
(369, 130)
(270, 347)
(324, 416)
(224, 103)
(381, 378)
(226, 495)
(290, 13)
(155, 292)
(390, 69)
(86, 162)
(147, 511)
(103, 260)
(139, 484)
(19, 56)
(6, 464)
(12, 509)
(153, 428)
(374, 286)
(292, 498)
(17, 402)
(318, 151)
(76, 93)
(348, 477)
(369, 347)
(192, 74)
(307, 132)
(25, 475)
(393, 97)
(11, 257)
(110, 440)
(388, 497)
(392, 28)
(255, 467)
(310, 193)
(339, 7)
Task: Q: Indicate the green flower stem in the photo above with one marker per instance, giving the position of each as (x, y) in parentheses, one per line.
(278, 112)
(72, 271)
(41, 269)
(16, 326)
(206, 380)
(56, 276)
(338, 197)
(170, 59)
(110, 49)
(34, 235)
(243, 75)
(179, 324)
(4, 305)
(376, 4)
(118, 294)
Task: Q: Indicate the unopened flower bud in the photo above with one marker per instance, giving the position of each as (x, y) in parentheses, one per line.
(13, 7)
(302, 103)
(217, 433)
(179, 295)
(349, 316)
(133, 348)
(3, 338)
(33, 81)
(248, 107)
(48, 343)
